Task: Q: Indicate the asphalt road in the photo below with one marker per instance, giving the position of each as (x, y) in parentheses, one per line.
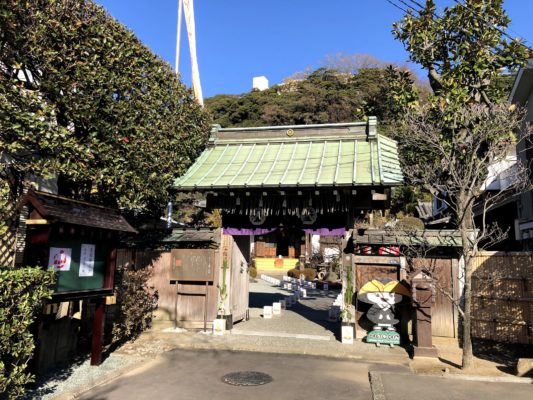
(197, 374)
(184, 374)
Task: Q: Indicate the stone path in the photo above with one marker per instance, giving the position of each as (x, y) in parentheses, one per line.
(306, 319)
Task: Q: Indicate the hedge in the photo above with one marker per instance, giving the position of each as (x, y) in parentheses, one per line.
(22, 292)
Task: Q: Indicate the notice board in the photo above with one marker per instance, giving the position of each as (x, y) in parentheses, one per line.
(197, 265)
(80, 264)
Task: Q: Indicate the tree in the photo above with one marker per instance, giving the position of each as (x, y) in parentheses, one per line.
(455, 144)
(463, 50)
(82, 98)
(321, 96)
(476, 154)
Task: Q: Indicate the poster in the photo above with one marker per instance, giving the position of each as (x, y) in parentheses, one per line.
(87, 260)
(60, 258)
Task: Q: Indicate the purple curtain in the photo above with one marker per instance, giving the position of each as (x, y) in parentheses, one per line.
(326, 231)
(254, 231)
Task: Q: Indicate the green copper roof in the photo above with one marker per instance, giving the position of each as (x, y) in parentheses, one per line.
(299, 156)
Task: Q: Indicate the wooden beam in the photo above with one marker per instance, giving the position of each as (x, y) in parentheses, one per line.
(37, 222)
(98, 332)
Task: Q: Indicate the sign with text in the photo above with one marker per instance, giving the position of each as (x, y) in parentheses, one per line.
(87, 260)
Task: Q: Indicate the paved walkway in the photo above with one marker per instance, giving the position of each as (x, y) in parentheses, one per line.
(308, 317)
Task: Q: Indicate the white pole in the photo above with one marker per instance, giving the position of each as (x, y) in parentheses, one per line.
(191, 31)
(178, 35)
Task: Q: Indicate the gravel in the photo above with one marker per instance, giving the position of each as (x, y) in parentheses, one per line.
(81, 376)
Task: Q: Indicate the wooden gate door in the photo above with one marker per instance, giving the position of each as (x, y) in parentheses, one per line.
(197, 275)
(443, 317)
(240, 257)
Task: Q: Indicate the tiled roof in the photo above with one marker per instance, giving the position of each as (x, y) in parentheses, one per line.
(339, 155)
(62, 209)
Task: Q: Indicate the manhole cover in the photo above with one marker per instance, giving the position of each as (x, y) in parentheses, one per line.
(247, 378)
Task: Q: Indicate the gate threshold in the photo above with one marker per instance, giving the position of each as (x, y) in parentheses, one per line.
(281, 335)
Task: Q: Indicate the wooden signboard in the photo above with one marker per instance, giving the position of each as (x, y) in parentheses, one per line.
(80, 264)
(196, 265)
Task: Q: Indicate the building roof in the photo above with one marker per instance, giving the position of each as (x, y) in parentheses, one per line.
(177, 237)
(65, 210)
(430, 238)
(339, 155)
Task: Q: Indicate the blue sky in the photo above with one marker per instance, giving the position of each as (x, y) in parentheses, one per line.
(240, 39)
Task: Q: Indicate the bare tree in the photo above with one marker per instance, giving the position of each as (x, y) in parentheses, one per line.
(468, 164)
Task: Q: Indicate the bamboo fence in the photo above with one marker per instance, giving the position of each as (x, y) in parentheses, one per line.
(502, 284)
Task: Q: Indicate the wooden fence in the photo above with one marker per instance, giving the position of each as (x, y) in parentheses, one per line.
(502, 284)
(8, 240)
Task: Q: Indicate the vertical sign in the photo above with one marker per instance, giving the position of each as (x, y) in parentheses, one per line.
(87, 260)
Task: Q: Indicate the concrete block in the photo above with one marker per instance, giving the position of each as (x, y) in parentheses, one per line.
(219, 327)
(267, 312)
(347, 334)
(524, 367)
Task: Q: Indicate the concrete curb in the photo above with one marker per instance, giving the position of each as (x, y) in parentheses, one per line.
(376, 386)
(475, 378)
(481, 378)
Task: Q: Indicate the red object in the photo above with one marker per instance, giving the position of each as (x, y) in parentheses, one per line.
(98, 332)
(389, 250)
(366, 250)
(125, 139)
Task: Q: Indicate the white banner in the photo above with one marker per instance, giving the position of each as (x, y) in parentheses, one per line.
(87, 260)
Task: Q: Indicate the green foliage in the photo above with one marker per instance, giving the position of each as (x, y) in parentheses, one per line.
(21, 294)
(253, 272)
(223, 289)
(464, 53)
(136, 302)
(322, 96)
(308, 273)
(405, 199)
(80, 96)
(463, 50)
(348, 293)
(410, 224)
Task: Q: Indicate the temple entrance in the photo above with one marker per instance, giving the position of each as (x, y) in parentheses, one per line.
(278, 251)
(283, 186)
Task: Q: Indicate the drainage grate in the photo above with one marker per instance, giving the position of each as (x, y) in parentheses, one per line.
(247, 378)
